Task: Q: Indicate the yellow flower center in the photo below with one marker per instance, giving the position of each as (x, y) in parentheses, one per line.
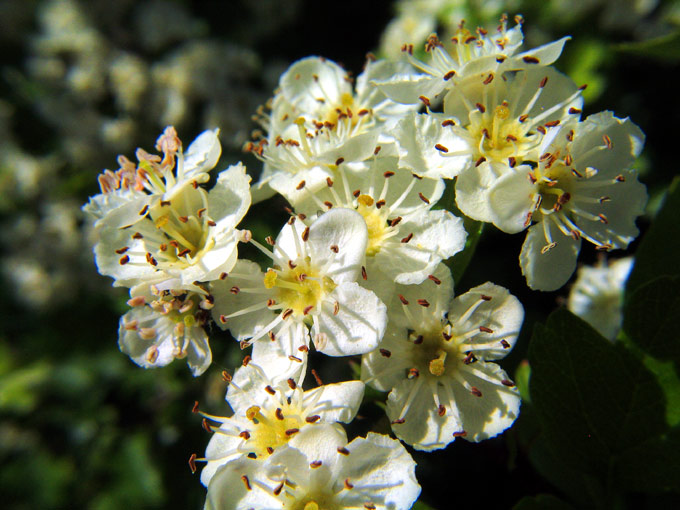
(299, 287)
(272, 428)
(183, 229)
(499, 135)
(438, 351)
(376, 223)
(346, 109)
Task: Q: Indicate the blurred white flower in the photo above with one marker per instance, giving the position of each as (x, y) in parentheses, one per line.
(469, 54)
(597, 295)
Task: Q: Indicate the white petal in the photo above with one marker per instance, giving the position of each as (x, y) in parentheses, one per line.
(546, 54)
(346, 230)
(203, 153)
(358, 325)
(247, 275)
(437, 235)
(117, 209)
(472, 190)
(384, 470)
(548, 270)
(229, 199)
(199, 356)
(311, 79)
(419, 134)
(492, 413)
(407, 87)
(423, 428)
(502, 313)
(227, 491)
(511, 198)
(336, 402)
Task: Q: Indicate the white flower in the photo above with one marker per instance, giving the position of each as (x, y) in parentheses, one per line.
(470, 54)
(189, 237)
(166, 327)
(504, 122)
(319, 471)
(437, 362)
(135, 188)
(312, 284)
(597, 295)
(406, 239)
(583, 188)
(270, 411)
(317, 119)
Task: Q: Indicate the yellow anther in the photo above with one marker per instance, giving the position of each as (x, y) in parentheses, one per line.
(365, 200)
(300, 121)
(270, 279)
(252, 412)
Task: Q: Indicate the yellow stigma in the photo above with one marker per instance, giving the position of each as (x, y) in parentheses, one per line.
(376, 224)
(270, 279)
(502, 112)
(273, 427)
(311, 505)
(365, 200)
(300, 287)
(437, 366)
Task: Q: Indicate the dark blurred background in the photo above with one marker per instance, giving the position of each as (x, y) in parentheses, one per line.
(81, 426)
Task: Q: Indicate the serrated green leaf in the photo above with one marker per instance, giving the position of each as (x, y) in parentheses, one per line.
(659, 250)
(595, 400)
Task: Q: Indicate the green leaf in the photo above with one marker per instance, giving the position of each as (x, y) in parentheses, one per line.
(542, 502)
(667, 376)
(659, 251)
(596, 402)
(522, 376)
(18, 388)
(650, 318)
(666, 47)
(652, 465)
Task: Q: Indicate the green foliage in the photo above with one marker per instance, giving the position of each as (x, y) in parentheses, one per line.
(601, 411)
(665, 48)
(659, 250)
(651, 316)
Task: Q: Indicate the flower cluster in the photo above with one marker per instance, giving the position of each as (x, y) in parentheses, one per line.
(360, 265)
